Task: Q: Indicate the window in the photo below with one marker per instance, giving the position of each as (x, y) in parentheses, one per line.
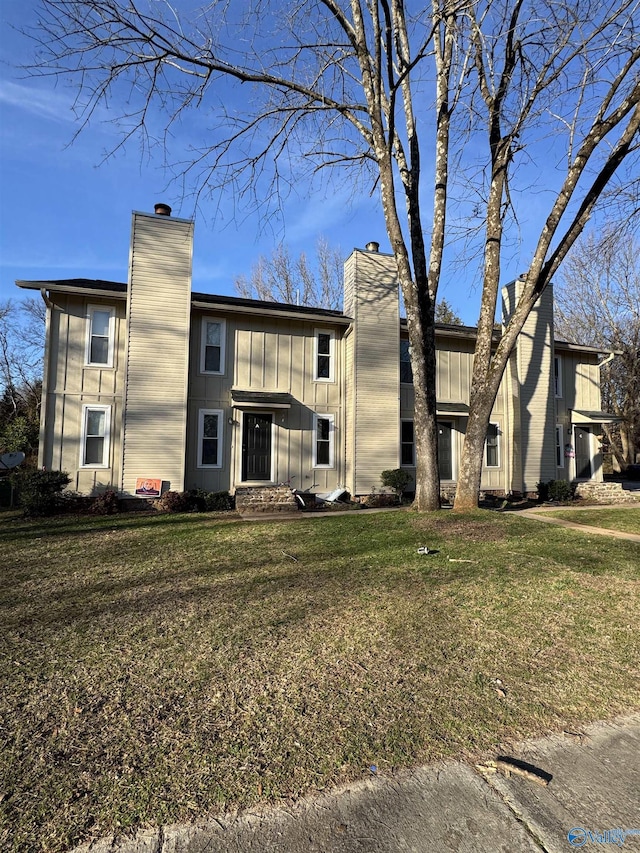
(492, 446)
(323, 441)
(324, 355)
(100, 336)
(407, 453)
(559, 446)
(406, 373)
(557, 375)
(210, 438)
(212, 346)
(94, 443)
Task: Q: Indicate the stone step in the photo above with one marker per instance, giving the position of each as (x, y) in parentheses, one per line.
(265, 500)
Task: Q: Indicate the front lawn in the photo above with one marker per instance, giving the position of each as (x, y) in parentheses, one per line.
(624, 519)
(157, 669)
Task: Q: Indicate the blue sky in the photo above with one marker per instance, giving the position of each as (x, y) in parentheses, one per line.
(65, 208)
(65, 212)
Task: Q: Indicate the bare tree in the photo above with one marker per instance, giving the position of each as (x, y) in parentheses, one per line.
(282, 278)
(21, 351)
(348, 85)
(598, 303)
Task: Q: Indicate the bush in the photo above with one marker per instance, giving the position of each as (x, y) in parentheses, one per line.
(555, 490)
(174, 502)
(106, 503)
(195, 500)
(397, 479)
(40, 492)
(219, 502)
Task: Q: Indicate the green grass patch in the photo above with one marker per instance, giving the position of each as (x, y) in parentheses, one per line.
(161, 668)
(626, 520)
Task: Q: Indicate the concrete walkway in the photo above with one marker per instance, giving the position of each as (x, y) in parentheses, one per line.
(539, 514)
(591, 801)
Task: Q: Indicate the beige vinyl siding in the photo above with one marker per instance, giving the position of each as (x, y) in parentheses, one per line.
(70, 383)
(580, 384)
(158, 324)
(267, 354)
(534, 384)
(375, 309)
(349, 438)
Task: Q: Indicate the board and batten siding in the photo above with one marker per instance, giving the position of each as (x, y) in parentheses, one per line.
(454, 366)
(267, 354)
(372, 300)
(157, 351)
(69, 383)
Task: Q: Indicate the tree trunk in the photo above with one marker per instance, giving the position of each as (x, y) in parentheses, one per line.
(470, 469)
(425, 429)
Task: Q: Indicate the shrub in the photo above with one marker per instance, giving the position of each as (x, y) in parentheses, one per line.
(555, 490)
(397, 479)
(174, 502)
(219, 502)
(40, 492)
(106, 503)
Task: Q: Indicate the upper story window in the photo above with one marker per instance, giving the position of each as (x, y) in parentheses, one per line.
(100, 336)
(406, 373)
(557, 375)
(323, 441)
(212, 346)
(492, 446)
(324, 355)
(210, 438)
(95, 437)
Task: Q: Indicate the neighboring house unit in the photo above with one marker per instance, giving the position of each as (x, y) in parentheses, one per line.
(148, 380)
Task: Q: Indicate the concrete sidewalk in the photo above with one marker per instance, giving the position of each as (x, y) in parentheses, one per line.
(540, 514)
(593, 796)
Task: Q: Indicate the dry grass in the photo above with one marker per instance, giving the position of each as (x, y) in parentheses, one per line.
(161, 668)
(624, 519)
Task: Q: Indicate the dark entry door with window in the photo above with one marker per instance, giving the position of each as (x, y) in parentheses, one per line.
(445, 458)
(583, 453)
(256, 446)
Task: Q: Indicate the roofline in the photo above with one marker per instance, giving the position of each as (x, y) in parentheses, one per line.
(207, 301)
(566, 345)
(240, 305)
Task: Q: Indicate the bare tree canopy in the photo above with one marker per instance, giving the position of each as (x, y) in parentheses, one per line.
(519, 109)
(22, 328)
(281, 278)
(598, 303)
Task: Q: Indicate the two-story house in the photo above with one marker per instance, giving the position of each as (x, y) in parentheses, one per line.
(150, 381)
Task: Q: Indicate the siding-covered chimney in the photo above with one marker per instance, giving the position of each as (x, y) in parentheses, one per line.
(371, 297)
(531, 391)
(157, 349)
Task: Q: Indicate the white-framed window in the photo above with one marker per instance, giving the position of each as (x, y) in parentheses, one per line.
(323, 433)
(101, 322)
(407, 445)
(324, 355)
(559, 446)
(492, 446)
(210, 438)
(212, 346)
(95, 436)
(557, 375)
(406, 371)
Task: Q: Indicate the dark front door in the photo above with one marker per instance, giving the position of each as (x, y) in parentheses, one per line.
(445, 459)
(583, 453)
(256, 446)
